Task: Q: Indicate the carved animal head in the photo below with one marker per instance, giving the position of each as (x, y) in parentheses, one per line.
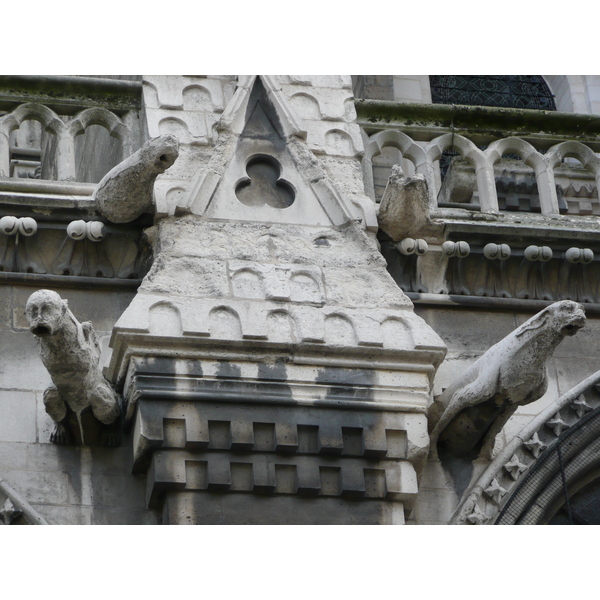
(45, 311)
(566, 317)
(161, 151)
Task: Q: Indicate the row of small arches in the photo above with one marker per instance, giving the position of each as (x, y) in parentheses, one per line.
(250, 283)
(225, 323)
(424, 156)
(65, 133)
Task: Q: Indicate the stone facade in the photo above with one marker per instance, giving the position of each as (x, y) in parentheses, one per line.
(280, 304)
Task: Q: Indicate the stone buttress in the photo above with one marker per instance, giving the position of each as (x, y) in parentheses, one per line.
(272, 370)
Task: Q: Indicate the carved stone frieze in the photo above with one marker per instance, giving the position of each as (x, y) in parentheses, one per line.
(501, 271)
(77, 248)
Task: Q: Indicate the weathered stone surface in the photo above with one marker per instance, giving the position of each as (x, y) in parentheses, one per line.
(404, 209)
(512, 373)
(18, 416)
(71, 353)
(125, 192)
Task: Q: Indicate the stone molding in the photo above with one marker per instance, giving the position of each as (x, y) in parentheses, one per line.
(510, 466)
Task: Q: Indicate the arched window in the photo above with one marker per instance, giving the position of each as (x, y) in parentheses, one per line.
(508, 91)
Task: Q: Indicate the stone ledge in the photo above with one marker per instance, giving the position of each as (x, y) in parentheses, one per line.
(70, 93)
(485, 121)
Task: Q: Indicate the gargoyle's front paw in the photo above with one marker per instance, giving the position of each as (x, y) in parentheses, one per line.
(60, 435)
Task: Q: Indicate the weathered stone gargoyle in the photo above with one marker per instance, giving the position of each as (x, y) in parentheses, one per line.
(126, 191)
(467, 416)
(404, 209)
(81, 402)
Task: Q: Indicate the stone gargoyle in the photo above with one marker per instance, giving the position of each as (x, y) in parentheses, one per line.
(126, 191)
(81, 402)
(465, 419)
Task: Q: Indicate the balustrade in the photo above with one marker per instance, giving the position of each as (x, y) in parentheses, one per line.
(64, 131)
(541, 162)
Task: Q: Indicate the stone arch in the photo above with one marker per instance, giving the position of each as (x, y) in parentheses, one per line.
(305, 288)
(164, 318)
(280, 326)
(99, 116)
(224, 323)
(339, 330)
(396, 334)
(540, 495)
(99, 132)
(62, 162)
(197, 97)
(248, 283)
(581, 152)
(306, 105)
(339, 142)
(176, 127)
(484, 173)
(408, 149)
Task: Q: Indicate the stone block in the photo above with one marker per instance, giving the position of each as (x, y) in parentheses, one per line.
(21, 367)
(18, 410)
(65, 515)
(435, 477)
(127, 491)
(195, 508)
(13, 456)
(189, 276)
(5, 307)
(355, 288)
(39, 487)
(347, 174)
(434, 506)
(53, 458)
(468, 333)
(118, 516)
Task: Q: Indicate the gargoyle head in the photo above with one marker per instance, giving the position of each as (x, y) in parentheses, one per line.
(570, 316)
(45, 311)
(162, 151)
(565, 317)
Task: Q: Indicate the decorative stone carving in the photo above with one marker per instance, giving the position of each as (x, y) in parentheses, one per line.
(404, 210)
(557, 424)
(538, 253)
(410, 246)
(467, 416)
(9, 512)
(92, 230)
(477, 517)
(81, 402)
(495, 491)
(579, 255)
(580, 406)
(23, 226)
(496, 251)
(514, 467)
(535, 445)
(456, 249)
(126, 191)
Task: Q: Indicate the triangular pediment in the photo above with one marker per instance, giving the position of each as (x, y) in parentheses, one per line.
(262, 170)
